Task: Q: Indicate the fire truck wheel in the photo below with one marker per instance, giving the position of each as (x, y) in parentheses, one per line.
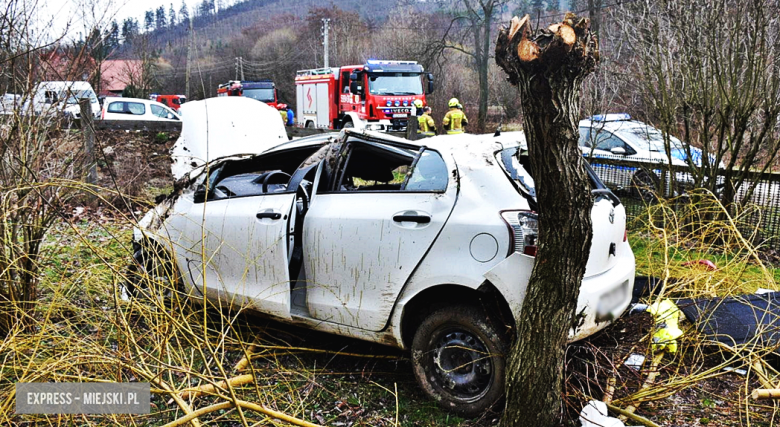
(348, 124)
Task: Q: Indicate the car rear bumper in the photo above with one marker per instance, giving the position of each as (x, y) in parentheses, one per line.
(604, 297)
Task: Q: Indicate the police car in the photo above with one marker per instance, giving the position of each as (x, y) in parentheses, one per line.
(617, 136)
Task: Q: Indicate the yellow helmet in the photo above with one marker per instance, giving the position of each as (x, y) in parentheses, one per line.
(418, 103)
(453, 102)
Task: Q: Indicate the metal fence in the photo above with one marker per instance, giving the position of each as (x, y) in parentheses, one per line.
(640, 184)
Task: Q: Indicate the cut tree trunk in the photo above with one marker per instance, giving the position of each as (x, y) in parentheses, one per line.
(548, 66)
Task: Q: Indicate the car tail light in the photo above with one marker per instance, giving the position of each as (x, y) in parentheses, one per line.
(102, 114)
(524, 227)
(625, 234)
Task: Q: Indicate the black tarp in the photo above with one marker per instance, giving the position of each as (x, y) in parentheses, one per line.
(736, 320)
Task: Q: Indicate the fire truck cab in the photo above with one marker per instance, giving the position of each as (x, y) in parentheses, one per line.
(378, 95)
(261, 90)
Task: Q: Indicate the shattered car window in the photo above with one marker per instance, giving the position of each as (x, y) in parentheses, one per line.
(510, 161)
(429, 174)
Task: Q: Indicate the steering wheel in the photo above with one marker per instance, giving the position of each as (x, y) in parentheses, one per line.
(268, 178)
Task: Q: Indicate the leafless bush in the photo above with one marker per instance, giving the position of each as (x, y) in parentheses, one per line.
(707, 72)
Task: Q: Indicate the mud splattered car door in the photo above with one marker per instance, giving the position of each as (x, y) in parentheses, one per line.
(365, 233)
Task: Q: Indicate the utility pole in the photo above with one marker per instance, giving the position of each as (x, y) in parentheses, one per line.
(189, 61)
(236, 64)
(325, 27)
(241, 66)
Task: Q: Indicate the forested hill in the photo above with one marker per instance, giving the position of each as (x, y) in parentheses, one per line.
(165, 26)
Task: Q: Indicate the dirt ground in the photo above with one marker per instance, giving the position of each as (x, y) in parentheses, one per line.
(137, 164)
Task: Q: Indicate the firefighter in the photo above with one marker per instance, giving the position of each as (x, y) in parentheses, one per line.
(427, 126)
(418, 108)
(282, 112)
(455, 119)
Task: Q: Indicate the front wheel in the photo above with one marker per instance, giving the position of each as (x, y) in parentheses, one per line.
(348, 124)
(458, 356)
(152, 275)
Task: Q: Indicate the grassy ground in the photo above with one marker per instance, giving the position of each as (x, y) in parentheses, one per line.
(85, 332)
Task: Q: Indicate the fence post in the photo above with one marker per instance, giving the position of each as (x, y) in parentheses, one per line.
(88, 129)
(411, 128)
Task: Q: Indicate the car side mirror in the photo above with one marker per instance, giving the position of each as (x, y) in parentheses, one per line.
(200, 194)
(620, 151)
(356, 88)
(430, 84)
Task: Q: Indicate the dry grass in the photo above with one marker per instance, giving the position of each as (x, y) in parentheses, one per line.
(690, 386)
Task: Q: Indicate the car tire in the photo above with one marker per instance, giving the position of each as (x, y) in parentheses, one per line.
(448, 358)
(148, 268)
(348, 124)
(310, 124)
(644, 186)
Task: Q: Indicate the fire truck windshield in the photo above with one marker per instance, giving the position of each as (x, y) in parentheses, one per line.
(395, 84)
(264, 95)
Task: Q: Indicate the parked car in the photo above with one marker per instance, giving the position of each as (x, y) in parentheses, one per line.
(60, 97)
(329, 232)
(617, 136)
(136, 109)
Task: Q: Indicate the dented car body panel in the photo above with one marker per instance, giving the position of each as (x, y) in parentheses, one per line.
(346, 233)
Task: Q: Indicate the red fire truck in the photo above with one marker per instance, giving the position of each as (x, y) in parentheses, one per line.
(377, 95)
(261, 90)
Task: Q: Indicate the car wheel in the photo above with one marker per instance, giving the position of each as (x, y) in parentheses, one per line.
(310, 124)
(348, 124)
(152, 275)
(458, 356)
(644, 186)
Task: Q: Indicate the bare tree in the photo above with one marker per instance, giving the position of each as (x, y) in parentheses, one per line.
(478, 16)
(548, 66)
(708, 72)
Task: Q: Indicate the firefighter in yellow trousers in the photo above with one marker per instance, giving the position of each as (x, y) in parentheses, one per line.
(455, 119)
(426, 124)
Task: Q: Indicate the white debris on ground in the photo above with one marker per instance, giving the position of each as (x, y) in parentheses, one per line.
(595, 414)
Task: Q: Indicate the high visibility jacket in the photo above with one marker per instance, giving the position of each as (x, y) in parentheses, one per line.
(426, 125)
(454, 120)
(284, 116)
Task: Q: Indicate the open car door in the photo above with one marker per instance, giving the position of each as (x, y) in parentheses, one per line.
(368, 228)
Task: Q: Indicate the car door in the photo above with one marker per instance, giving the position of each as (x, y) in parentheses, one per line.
(240, 253)
(367, 230)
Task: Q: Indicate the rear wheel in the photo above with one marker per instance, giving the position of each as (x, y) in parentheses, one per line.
(310, 124)
(348, 124)
(458, 356)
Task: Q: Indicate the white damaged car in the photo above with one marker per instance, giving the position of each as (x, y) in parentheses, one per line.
(424, 245)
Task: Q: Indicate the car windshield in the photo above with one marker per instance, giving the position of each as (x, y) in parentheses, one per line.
(265, 95)
(77, 94)
(395, 84)
(648, 136)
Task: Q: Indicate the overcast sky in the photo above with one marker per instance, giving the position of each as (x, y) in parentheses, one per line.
(56, 15)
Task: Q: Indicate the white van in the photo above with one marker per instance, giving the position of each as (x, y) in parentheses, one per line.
(49, 98)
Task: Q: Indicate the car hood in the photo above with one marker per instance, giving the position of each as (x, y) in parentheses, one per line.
(224, 126)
